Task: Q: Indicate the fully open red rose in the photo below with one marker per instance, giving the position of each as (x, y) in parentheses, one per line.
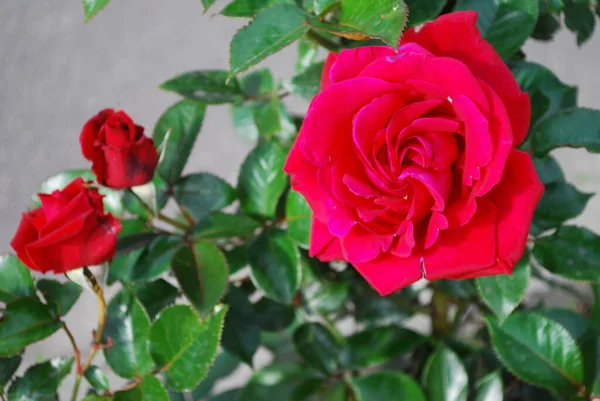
(407, 159)
(70, 230)
(121, 155)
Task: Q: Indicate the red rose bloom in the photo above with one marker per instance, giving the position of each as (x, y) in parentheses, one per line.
(121, 155)
(70, 230)
(407, 158)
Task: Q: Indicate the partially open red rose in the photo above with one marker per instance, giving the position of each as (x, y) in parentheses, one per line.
(70, 230)
(121, 155)
(407, 159)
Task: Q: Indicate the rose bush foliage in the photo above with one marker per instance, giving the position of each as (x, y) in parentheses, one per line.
(378, 248)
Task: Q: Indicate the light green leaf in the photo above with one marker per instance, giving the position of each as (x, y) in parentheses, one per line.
(323, 6)
(15, 279)
(421, 11)
(149, 389)
(182, 123)
(571, 252)
(490, 388)
(243, 120)
(185, 347)
(444, 376)
(383, 19)
(248, 8)
(60, 297)
(96, 378)
(539, 351)
(127, 325)
(221, 225)
(202, 193)
(207, 4)
(207, 86)
(201, 270)
(503, 293)
(307, 83)
(298, 217)
(270, 31)
(388, 386)
(575, 128)
(41, 382)
(318, 347)
(262, 180)
(93, 7)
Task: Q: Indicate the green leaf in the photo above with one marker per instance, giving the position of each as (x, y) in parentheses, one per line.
(388, 386)
(182, 123)
(575, 128)
(207, 4)
(96, 378)
(571, 252)
(318, 347)
(503, 293)
(243, 120)
(298, 217)
(546, 26)
(15, 279)
(539, 351)
(25, 322)
(131, 242)
(41, 382)
(384, 19)
(207, 86)
(267, 117)
(201, 270)
(271, 30)
(185, 347)
(248, 8)
(273, 316)
(113, 199)
(127, 325)
(444, 376)
(149, 389)
(375, 310)
(505, 24)
(93, 7)
(93, 397)
(202, 193)
(60, 297)
(307, 53)
(156, 295)
(154, 260)
(241, 335)
(560, 202)
(262, 180)
(237, 258)
(275, 266)
(379, 345)
(548, 170)
(8, 367)
(307, 83)
(490, 388)
(579, 18)
(221, 225)
(258, 83)
(421, 11)
(326, 296)
(274, 380)
(323, 6)
(122, 266)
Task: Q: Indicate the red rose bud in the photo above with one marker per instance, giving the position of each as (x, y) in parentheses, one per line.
(70, 230)
(121, 155)
(408, 159)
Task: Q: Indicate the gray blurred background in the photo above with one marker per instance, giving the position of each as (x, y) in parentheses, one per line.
(56, 72)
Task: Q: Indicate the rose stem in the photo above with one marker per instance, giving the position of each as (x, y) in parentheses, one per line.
(159, 215)
(75, 349)
(99, 330)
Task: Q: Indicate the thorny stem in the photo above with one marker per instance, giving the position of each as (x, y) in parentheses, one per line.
(97, 345)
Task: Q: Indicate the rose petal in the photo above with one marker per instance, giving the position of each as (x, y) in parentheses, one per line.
(90, 131)
(26, 233)
(350, 62)
(323, 245)
(361, 245)
(389, 273)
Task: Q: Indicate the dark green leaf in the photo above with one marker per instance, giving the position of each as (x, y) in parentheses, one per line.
(202, 193)
(571, 252)
(338, 392)
(248, 8)
(131, 242)
(207, 86)
(546, 26)
(93, 7)
(579, 18)
(15, 279)
(307, 53)
(490, 388)
(388, 386)
(275, 266)
(271, 30)
(156, 295)
(155, 259)
(384, 19)
(8, 367)
(444, 376)
(149, 389)
(202, 273)
(122, 266)
(379, 345)
(539, 351)
(298, 217)
(507, 24)
(127, 326)
(273, 316)
(503, 293)
(258, 83)
(241, 335)
(262, 180)
(575, 128)
(463, 289)
(560, 202)
(41, 382)
(379, 311)
(318, 347)
(184, 346)
(221, 225)
(326, 296)
(420, 11)
(60, 297)
(176, 131)
(25, 322)
(237, 258)
(307, 83)
(96, 378)
(548, 170)
(273, 381)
